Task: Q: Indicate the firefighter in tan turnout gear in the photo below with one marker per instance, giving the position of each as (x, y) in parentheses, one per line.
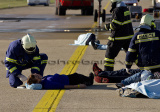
(121, 32)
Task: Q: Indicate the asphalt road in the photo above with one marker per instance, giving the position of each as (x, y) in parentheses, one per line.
(40, 22)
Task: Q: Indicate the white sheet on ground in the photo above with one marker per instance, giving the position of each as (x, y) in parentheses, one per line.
(82, 39)
(149, 88)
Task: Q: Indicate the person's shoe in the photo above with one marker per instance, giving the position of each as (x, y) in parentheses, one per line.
(94, 45)
(127, 92)
(101, 79)
(96, 69)
(120, 91)
(97, 41)
(105, 80)
(119, 85)
(91, 76)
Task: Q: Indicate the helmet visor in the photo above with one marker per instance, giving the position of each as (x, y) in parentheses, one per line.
(30, 50)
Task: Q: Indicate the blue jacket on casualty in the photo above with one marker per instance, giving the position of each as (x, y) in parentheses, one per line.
(55, 81)
(17, 59)
(144, 49)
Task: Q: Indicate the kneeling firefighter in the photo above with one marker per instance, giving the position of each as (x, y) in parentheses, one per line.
(23, 54)
(145, 46)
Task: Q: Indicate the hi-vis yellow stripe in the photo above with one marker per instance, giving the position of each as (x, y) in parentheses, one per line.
(50, 100)
(126, 13)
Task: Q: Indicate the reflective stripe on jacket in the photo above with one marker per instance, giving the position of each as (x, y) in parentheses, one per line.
(144, 48)
(16, 58)
(121, 25)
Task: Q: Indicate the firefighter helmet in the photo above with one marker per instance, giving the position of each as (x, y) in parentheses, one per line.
(147, 20)
(115, 1)
(29, 43)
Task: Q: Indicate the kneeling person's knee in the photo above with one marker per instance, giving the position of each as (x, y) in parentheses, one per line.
(14, 81)
(44, 56)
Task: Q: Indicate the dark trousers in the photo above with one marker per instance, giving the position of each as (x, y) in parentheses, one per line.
(117, 76)
(14, 81)
(112, 51)
(76, 78)
(91, 37)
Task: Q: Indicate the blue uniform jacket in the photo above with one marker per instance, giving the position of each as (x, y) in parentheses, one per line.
(17, 59)
(55, 81)
(144, 49)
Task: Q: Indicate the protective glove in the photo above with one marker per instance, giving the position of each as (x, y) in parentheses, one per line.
(22, 77)
(127, 70)
(107, 26)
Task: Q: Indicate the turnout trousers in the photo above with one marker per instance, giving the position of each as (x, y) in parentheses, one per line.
(112, 51)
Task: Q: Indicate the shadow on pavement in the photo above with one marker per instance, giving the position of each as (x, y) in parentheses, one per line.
(102, 87)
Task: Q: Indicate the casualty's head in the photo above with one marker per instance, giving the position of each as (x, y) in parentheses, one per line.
(28, 43)
(33, 82)
(147, 22)
(113, 5)
(34, 79)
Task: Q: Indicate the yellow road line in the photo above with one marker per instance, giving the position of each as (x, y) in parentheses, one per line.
(51, 99)
(72, 69)
(107, 5)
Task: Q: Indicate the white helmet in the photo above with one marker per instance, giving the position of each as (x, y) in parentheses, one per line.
(28, 43)
(115, 1)
(147, 20)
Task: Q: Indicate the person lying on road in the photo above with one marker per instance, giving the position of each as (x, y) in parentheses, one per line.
(111, 76)
(58, 81)
(141, 76)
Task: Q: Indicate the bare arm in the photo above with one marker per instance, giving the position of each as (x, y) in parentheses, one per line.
(79, 86)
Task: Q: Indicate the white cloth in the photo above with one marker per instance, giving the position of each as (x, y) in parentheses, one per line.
(149, 88)
(34, 86)
(22, 77)
(82, 39)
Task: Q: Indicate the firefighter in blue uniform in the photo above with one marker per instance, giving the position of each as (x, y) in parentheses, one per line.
(121, 33)
(144, 48)
(23, 54)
